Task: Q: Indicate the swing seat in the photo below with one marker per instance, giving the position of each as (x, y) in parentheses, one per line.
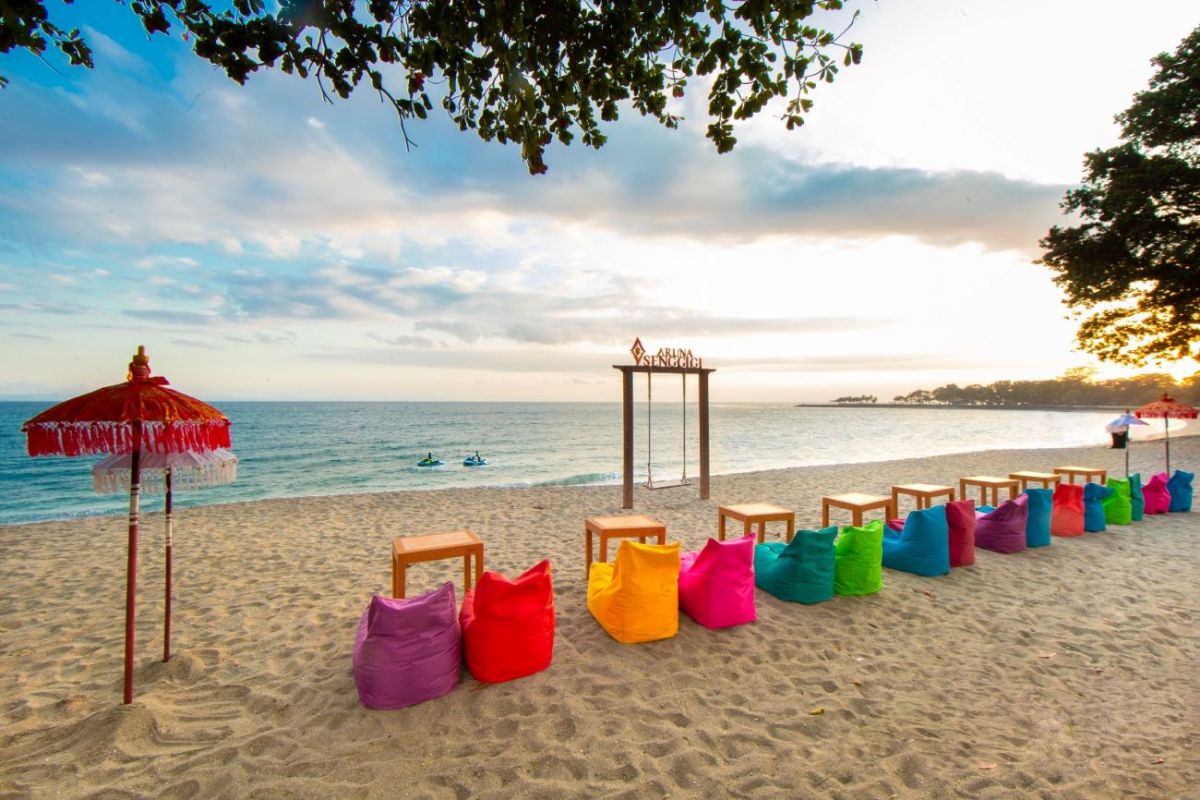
(668, 485)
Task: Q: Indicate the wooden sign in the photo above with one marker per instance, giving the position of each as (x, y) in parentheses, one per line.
(665, 357)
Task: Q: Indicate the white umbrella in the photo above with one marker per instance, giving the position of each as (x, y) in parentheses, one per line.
(161, 473)
(1121, 425)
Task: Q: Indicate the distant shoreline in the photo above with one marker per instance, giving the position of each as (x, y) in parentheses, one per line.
(946, 407)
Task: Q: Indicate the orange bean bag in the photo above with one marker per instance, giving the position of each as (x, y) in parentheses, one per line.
(637, 598)
(508, 626)
(1066, 510)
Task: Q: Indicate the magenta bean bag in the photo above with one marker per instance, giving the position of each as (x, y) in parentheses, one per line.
(1156, 494)
(1003, 529)
(508, 626)
(960, 518)
(408, 651)
(716, 585)
(1066, 510)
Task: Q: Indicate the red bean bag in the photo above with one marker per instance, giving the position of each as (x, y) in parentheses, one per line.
(1066, 511)
(508, 626)
(960, 516)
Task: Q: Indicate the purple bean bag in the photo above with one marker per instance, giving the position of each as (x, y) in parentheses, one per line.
(408, 651)
(1156, 495)
(716, 585)
(1003, 528)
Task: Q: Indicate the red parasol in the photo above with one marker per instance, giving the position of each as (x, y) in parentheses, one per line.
(135, 417)
(1166, 408)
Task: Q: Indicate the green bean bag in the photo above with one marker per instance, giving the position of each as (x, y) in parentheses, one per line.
(858, 555)
(1135, 497)
(800, 571)
(1118, 506)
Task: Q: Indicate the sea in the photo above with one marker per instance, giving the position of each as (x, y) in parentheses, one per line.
(298, 449)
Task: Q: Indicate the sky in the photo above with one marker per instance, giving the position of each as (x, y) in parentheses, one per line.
(264, 244)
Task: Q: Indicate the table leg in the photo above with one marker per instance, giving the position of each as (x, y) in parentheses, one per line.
(962, 487)
(603, 546)
(662, 538)
(791, 528)
(720, 527)
(587, 565)
(824, 514)
(762, 532)
(746, 527)
(398, 579)
(857, 519)
(479, 565)
(467, 572)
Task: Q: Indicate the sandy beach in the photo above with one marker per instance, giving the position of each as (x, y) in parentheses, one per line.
(1065, 672)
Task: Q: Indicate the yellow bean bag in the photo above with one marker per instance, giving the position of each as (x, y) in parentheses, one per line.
(637, 599)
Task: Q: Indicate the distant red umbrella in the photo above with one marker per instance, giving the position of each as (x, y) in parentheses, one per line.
(1166, 409)
(135, 417)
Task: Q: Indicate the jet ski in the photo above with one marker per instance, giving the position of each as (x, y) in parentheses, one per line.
(430, 461)
(475, 461)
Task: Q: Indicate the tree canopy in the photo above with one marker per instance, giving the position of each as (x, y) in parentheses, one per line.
(522, 71)
(1131, 269)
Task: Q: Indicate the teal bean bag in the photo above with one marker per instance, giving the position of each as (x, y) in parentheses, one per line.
(1180, 487)
(1037, 526)
(858, 555)
(922, 547)
(801, 571)
(1093, 506)
(1136, 500)
(1118, 506)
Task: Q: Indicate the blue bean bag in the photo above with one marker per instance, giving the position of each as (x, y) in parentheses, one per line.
(1180, 487)
(1002, 529)
(922, 547)
(801, 571)
(1037, 527)
(858, 559)
(1118, 506)
(1093, 506)
(1136, 500)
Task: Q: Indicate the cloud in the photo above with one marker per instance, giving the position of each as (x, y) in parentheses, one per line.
(183, 318)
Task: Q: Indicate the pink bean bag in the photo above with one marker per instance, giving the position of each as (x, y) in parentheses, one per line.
(1156, 494)
(508, 626)
(1003, 529)
(1066, 510)
(716, 585)
(408, 651)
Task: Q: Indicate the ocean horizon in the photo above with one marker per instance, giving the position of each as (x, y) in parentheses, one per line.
(315, 448)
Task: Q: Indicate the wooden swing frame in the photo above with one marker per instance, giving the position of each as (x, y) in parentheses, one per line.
(627, 372)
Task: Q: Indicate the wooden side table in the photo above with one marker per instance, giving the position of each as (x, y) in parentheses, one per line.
(857, 503)
(434, 547)
(756, 513)
(925, 493)
(986, 483)
(624, 526)
(1087, 473)
(1047, 480)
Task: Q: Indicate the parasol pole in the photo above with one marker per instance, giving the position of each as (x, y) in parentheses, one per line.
(135, 488)
(1167, 438)
(167, 620)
